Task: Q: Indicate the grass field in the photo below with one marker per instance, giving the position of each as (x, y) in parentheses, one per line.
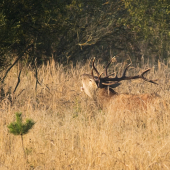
(72, 133)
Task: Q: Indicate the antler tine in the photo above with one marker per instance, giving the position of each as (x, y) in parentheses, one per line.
(151, 81)
(108, 65)
(94, 68)
(124, 73)
(116, 79)
(144, 72)
(92, 73)
(110, 75)
(98, 75)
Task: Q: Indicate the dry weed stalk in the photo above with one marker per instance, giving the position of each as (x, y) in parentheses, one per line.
(72, 133)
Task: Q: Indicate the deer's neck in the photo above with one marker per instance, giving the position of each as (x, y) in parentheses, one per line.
(104, 95)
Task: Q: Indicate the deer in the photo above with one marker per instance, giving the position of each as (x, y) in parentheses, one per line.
(100, 89)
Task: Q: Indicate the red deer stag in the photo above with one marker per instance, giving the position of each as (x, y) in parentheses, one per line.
(100, 89)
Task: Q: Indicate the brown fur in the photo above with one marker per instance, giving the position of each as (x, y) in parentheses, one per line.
(126, 101)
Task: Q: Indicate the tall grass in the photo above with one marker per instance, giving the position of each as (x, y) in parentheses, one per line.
(72, 133)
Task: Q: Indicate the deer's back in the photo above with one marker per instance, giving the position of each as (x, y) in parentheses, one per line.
(126, 101)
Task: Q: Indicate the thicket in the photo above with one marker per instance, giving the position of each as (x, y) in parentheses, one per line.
(34, 31)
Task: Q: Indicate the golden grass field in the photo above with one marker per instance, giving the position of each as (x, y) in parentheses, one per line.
(72, 133)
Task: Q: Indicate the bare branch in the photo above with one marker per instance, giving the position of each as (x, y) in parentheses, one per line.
(17, 82)
(19, 57)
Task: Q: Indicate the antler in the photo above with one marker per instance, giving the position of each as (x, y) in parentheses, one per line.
(97, 80)
(99, 75)
(113, 59)
(111, 81)
(124, 77)
(94, 68)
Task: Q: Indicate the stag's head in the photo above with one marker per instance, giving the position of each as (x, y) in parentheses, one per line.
(89, 85)
(92, 84)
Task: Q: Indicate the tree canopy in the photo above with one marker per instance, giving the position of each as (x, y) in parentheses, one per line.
(77, 29)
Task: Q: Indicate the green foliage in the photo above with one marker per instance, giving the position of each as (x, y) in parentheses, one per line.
(150, 22)
(149, 15)
(19, 128)
(75, 29)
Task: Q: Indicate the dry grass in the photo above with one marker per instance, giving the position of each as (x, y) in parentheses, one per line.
(72, 133)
